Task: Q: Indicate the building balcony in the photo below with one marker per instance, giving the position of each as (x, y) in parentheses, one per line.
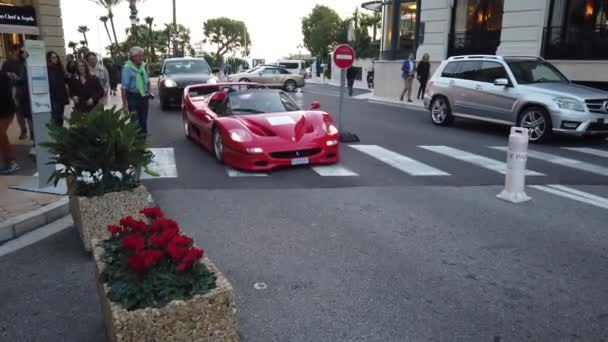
(473, 43)
(580, 43)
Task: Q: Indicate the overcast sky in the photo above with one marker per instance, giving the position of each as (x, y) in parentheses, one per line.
(274, 25)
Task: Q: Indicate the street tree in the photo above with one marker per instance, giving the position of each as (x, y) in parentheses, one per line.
(109, 5)
(321, 30)
(104, 20)
(73, 46)
(150, 39)
(84, 29)
(228, 35)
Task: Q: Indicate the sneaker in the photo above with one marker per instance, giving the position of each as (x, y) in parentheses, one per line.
(33, 151)
(11, 168)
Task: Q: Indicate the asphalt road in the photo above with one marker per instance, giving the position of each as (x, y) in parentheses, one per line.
(382, 255)
(390, 253)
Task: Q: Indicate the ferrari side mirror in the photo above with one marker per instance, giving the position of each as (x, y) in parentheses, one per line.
(315, 105)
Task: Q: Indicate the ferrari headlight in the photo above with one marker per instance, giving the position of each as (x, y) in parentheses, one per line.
(240, 135)
(569, 103)
(330, 129)
(170, 83)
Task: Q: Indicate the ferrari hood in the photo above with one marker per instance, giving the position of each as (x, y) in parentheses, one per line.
(289, 126)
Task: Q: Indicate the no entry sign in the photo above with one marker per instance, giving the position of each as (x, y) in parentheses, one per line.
(344, 56)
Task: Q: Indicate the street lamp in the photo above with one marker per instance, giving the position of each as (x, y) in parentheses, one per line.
(174, 40)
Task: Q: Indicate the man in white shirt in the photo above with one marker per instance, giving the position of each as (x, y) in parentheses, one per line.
(101, 73)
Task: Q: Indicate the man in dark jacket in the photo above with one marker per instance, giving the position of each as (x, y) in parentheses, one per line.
(351, 75)
(16, 70)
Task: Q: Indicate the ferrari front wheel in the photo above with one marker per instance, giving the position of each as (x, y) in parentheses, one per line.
(218, 146)
(186, 126)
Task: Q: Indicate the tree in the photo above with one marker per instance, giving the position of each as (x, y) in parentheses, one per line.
(104, 20)
(109, 4)
(149, 21)
(84, 30)
(73, 46)
(228, 35)
(321, 30)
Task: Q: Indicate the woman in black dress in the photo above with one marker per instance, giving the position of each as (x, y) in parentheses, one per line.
(58, 82)
(85, 89)
(423, 70)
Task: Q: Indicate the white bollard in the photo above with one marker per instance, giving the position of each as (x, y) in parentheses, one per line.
(517, 155)
(299, 98)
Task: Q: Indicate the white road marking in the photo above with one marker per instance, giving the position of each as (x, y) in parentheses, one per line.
(475, 159)
(403, 163)
(333, 171)
(579, 193)
(163, 164)
(236, 173)
(587, 150)
(570, 195)
(325, 93)
(573, 163)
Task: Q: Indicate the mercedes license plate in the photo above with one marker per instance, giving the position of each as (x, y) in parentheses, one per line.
(299, 161)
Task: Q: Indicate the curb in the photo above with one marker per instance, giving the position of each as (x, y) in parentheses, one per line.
(22, 224)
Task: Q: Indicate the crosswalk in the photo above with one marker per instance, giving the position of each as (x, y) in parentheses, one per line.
(417, 168)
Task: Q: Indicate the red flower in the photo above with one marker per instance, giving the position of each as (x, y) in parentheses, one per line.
(181, 240)
(133, 224)
(193, 255)
(134, 241)
(115, 230)
(176, 252)
(152, 213)
(164, 238)
(143, 260)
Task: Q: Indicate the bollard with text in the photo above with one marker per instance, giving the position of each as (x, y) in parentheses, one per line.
(40, 103)
(517, 155)
(344, 57)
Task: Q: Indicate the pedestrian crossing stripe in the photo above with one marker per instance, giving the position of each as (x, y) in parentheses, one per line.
(333, 171)
(562, 161)
(587, 150)
(471, 158)
(398, 161)
(162, 164)
(236, 173)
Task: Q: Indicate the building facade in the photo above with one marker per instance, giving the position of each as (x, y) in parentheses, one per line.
(31, 19)
(571, 34)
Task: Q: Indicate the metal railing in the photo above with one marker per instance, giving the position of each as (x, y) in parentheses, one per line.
(583, 43)
(470, 43)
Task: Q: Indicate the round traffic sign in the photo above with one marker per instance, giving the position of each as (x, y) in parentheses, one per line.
(344, 56)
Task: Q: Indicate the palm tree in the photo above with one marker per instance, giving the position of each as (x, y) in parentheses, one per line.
(149, 21)
(84, 30)
(109, 4)
(104, 20)
(73, 46)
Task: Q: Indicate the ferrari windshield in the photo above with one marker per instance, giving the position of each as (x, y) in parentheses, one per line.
(259, 101)
(186, 66)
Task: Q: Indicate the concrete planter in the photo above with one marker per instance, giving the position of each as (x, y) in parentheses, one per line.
(210, 317)
(92, 215)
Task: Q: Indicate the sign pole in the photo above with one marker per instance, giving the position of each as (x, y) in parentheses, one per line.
(40, 104)
(342, 81)
(344, 58)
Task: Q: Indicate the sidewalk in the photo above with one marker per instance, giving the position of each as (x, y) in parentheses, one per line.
(23, 211)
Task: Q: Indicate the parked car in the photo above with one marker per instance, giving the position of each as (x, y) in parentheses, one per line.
(294, 66)
(525, 91)
(177, 74)
(271, 76)
(249, 127)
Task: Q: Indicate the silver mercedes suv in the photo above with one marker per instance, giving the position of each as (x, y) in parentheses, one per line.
(523, 91)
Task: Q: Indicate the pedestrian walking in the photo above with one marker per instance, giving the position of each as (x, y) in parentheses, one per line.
(16, 69)
(102, 74)
(114, 71)
(422, 72)
(85, 89)
(58, 87)
(408, 70)
(136, 88)
(7, 113)
(351, 75)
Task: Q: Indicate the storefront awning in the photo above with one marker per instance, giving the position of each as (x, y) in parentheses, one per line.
(33, 30)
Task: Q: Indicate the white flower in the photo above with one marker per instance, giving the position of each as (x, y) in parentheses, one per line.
(85, 174)
(117, 174)
(98, 174)
(130, 172)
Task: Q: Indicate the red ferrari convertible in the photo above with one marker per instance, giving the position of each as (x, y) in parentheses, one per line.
(249, 127)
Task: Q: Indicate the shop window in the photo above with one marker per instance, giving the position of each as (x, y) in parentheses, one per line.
(476, 27)
(569, 20)
(407, 25)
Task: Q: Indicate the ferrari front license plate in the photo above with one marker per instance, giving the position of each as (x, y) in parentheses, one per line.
(299, 161)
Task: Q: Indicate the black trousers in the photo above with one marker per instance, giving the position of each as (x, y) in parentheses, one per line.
(422, 88)
(351, 83)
